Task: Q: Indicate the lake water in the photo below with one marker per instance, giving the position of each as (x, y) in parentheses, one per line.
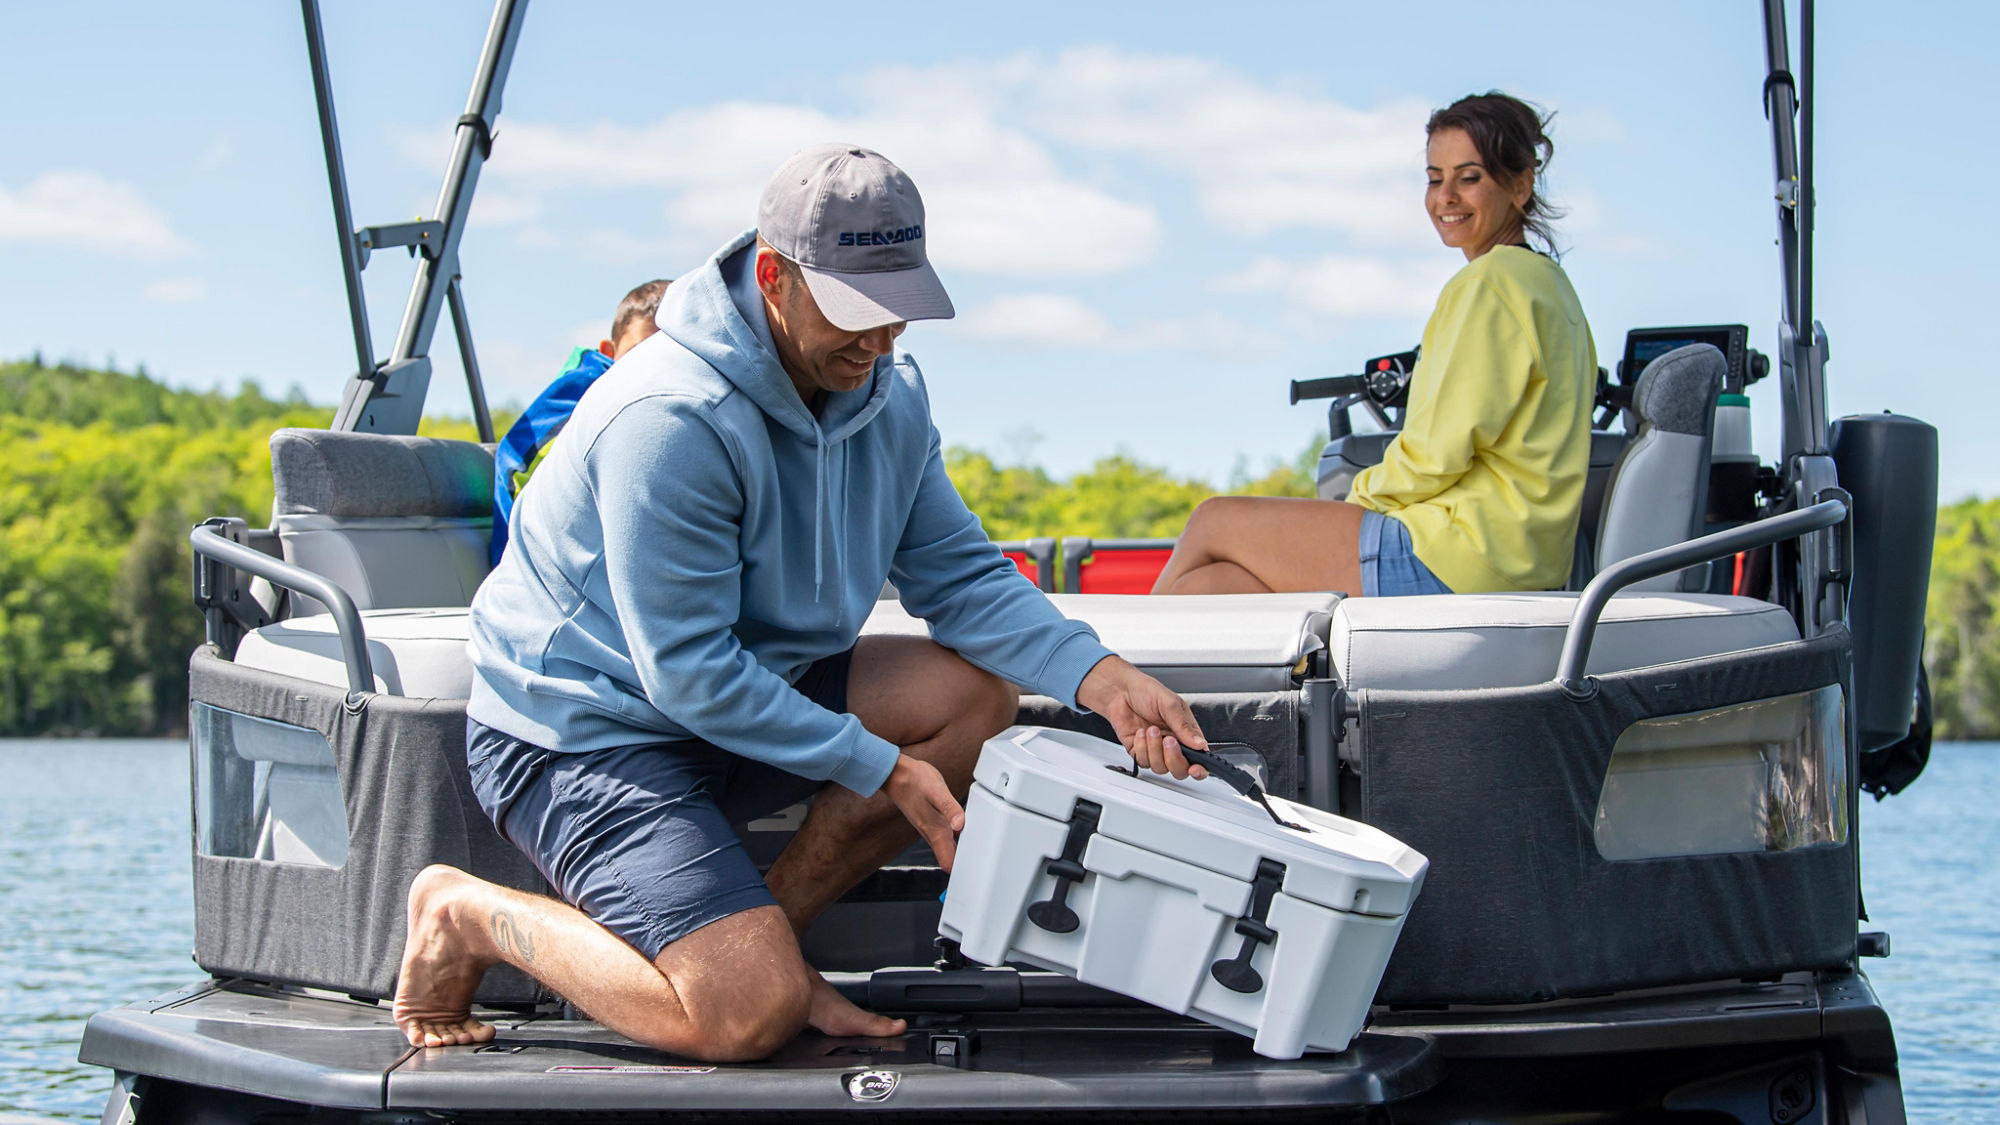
(97, 912)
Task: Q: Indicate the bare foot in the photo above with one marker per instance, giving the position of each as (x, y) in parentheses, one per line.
(441, 969)
(830, 1013)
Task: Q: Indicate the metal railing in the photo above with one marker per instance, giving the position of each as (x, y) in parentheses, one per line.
(209, 543)
(1590, 604)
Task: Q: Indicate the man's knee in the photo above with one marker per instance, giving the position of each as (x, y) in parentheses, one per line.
(742, 1032)
(993, 705)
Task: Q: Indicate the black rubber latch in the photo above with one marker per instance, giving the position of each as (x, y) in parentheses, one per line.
(1054, 914)
(1235, 973)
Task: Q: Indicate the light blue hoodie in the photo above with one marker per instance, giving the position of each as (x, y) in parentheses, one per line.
(696, 538)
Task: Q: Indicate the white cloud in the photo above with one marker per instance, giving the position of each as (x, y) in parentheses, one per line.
(1260, 158)
(1345, 285)
(175, 291)
(500, 208)
(995, 197)
(86, 210)
(1039, 321)
(1587, 220)
(1050, 166)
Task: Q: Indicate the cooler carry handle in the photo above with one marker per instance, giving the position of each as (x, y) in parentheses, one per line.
(1230, 774)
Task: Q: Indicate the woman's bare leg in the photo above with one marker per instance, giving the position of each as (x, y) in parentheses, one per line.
(1258, 544)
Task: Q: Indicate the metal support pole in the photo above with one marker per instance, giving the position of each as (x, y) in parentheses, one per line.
(469, 151)
(336, 175)
(475, 387)
(1805, 205)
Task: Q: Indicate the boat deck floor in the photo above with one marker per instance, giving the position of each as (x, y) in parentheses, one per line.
(318, 1049)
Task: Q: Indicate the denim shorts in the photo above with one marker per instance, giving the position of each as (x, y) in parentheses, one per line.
(642, 838)
(1389, 566)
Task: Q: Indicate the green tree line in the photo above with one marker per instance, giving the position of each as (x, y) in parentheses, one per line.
(105, 471)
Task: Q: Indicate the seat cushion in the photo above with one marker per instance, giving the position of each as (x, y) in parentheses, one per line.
(1455, 641)
(390, 562)
(413, 652)
(1201, 643)
(396, 521)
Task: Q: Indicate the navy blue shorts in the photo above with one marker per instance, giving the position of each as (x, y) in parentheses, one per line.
(641, 838)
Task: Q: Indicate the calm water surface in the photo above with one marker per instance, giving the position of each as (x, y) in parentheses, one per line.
(96, 911)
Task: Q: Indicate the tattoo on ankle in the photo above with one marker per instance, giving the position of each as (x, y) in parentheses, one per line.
(513, 936)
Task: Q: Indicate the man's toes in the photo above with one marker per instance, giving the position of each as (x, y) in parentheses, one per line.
(449, 1033)
(878, 1025)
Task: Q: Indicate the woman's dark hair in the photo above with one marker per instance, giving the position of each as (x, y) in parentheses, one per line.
(1513, 141)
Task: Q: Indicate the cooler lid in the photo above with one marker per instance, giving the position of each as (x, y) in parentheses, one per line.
(1339, 863)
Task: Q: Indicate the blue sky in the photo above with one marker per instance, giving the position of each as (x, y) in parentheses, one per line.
(1150, 216)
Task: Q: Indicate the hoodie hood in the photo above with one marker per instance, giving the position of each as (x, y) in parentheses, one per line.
(717, 313)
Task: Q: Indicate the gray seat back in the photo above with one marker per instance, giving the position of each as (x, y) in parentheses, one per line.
(1658, 491)
(395, 520)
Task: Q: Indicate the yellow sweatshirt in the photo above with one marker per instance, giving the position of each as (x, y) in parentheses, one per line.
(1488, 472)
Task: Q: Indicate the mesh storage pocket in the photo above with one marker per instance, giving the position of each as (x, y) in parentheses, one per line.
(1505, 789)
(265, 790)
(1764, 776)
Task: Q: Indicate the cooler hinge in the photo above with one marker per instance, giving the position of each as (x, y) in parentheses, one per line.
(1235, 973)
(1054, 914)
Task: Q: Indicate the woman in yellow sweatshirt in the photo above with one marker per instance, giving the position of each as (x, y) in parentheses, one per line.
(1482, 489)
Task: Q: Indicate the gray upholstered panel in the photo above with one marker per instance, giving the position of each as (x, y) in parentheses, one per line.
(1658, 492)
(1676, 392)
(1464, 642)
(408, 803)
(330, 473)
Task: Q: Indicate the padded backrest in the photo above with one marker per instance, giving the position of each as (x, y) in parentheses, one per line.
(1658, 492)
(395, 520)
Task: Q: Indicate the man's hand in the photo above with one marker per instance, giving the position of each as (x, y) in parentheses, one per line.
(1152, 722)
(926, 802)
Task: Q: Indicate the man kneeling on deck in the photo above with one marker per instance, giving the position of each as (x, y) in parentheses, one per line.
(669, 646)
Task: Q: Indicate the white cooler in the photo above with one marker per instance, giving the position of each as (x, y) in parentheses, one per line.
(1184, 894)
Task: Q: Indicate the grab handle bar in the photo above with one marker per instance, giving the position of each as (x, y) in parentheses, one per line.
(208, 542)
(1590, 606)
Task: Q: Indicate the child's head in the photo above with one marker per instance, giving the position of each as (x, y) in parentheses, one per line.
(634, 319)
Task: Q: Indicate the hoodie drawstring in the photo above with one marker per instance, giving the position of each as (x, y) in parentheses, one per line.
(819, 510)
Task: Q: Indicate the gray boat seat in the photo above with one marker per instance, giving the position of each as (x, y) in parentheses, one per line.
(394, 520)
(1206, 643)
(414, 652)
(1455, 641)
(1203, 643)
(1657, 493)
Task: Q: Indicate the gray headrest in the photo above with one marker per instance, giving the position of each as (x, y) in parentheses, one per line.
(332, 473)
(1676, 392)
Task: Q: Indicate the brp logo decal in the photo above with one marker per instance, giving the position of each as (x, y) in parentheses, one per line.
(872, 1085)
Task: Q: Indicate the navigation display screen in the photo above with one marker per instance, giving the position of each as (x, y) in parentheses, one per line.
(1644, 345)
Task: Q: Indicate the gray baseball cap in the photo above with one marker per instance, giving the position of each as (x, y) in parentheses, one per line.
(855, 225)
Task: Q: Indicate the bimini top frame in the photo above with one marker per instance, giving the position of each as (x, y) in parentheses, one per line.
(388, 397)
